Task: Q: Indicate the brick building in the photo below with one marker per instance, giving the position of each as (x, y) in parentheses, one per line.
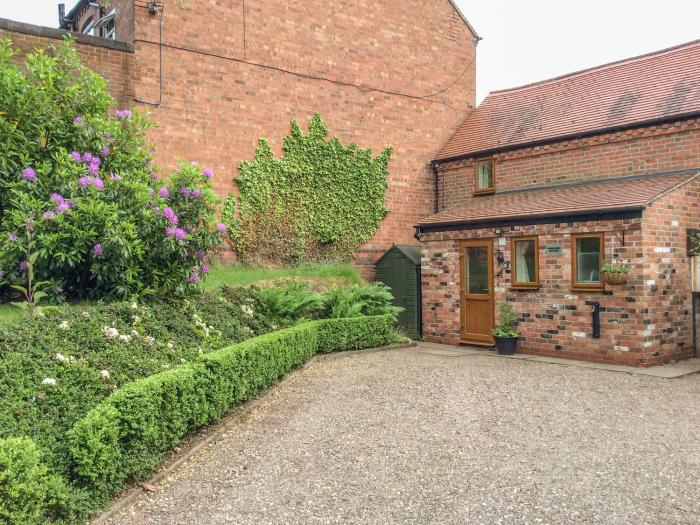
(544, 183)
(216, 76)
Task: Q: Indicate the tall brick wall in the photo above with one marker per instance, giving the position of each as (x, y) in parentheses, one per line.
(633, 152)
(367, 67)
(113, 60)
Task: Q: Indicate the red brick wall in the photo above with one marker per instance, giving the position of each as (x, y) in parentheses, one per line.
(643, 322)
(667, 270)
(638, 151)
(113, 60)
(365, 66)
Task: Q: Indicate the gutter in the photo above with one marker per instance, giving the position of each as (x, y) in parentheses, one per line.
(627, 211)
(571, 136)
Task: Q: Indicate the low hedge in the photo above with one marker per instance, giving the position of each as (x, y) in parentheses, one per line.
(125, 436)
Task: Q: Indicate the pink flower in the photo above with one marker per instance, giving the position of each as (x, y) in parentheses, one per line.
(75, 156)
(169, 214)
(221, 227)
(204, 268)
(50, 214)
(29, 174)
(12, 237)
(164, 192)
(180, 234)
(84, 181)
(94, 168)
(113, 176)
(208, 173)
(77, 120)
(97, 250)
(23, 266)
(194, 278)
(154, 175)
(124, 114)
(98, 183)
(186, 192)
(196, 192)
(105, 151)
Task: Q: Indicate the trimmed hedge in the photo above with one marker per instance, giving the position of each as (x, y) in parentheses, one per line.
(125, 436)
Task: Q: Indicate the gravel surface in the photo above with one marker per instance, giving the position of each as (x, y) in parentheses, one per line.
(407, 436)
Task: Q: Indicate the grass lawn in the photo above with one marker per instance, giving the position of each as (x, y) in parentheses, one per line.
(238, 275)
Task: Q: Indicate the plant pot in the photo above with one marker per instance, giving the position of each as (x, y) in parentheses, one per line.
(506, 345)
(614, 278)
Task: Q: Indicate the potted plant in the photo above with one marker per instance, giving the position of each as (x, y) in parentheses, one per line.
(615, 273)
(505, 334)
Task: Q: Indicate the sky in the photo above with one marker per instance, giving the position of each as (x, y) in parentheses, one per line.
(526, 41)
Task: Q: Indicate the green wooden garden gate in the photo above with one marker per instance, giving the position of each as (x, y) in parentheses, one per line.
(399, 269)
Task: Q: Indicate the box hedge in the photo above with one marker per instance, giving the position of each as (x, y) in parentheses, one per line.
(124, 437)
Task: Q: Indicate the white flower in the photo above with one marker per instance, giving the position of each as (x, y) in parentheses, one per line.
(134, 306)
(149, 340)
(50, 381)
(60, 358)
(105, 374)
(86, 314)
(125, 337)
(134, 333)
(63, 325)
(170, 345)
(110, 332)
(183, 360)
(248, 310)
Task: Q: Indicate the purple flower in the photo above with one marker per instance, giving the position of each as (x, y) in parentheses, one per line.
(87, 157)
(105, 151)
(113, 176)
(204, 268)
(180, 234)
(57, 198)
(29, 174)
(77, 120)
(94, 168)
(208, 173)
(124, 114)
(186, 192)
(164, 193)
(170, 231)
(84, 181)
(50, 214)
(196, 192)
(154, 175)
(151, 191)
(169, 214)
(221, 227)
(97, 250)
(62, 209)
(201, 254)
(75, 155)
(99, 183)
(23, 266)
(194, 278)
(12, 237)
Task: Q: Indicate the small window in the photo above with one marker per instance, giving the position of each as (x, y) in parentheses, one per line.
(525, 260)
(484, 175)
(587, 260)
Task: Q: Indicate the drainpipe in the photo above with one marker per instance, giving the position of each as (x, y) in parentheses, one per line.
(693, 297)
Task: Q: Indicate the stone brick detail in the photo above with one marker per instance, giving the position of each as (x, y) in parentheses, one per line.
(638, 151)
(644, 322)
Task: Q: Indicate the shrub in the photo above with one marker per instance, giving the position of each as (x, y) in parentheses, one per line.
(126, 435)
(372, 299)
(79, 181)
(507, 321)
(318, 202)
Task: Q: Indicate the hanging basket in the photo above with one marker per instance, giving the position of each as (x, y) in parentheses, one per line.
(614, 278)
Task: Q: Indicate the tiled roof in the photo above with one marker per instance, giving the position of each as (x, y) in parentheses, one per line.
(625, 194)
(654, 87)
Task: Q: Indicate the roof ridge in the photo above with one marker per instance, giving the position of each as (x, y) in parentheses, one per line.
(599, 67)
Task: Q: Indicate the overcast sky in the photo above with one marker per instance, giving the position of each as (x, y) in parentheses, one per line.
(526, 41)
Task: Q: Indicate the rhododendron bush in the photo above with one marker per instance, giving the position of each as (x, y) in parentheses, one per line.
(82, 207)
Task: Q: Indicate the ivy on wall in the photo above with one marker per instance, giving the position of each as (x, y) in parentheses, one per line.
(318, 202)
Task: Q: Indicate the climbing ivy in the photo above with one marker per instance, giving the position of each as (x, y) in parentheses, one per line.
(318, 202)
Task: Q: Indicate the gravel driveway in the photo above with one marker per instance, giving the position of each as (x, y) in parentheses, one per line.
(408, 436)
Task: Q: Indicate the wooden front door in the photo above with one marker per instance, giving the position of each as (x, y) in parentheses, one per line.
(476, 291)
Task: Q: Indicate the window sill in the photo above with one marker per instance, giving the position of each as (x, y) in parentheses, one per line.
(484, 192)
(526, 287)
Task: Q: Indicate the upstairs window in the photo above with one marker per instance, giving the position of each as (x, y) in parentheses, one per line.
(485, 175)
(587, 260)
(525, 261)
